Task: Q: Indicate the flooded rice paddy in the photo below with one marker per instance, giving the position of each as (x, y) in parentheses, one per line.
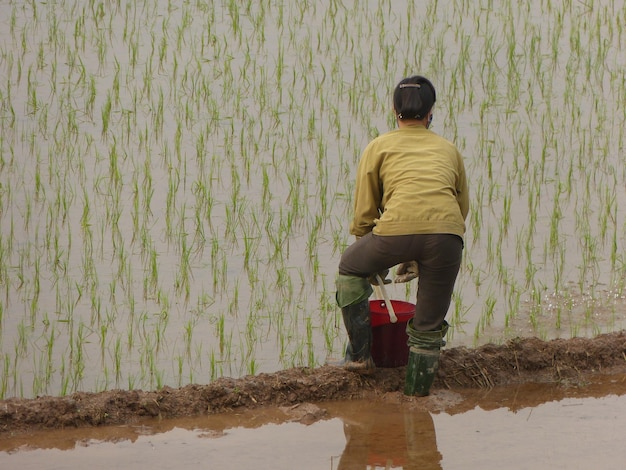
(176, 180)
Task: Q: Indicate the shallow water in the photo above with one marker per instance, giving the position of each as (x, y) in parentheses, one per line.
(529, 426)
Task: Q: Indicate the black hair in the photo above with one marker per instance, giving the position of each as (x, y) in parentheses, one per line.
(414, 97)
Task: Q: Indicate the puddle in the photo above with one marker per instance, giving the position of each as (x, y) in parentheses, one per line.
(524, 427)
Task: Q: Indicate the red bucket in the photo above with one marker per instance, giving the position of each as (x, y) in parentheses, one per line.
(389, 340)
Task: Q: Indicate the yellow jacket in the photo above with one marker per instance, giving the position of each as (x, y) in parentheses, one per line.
(410, 181)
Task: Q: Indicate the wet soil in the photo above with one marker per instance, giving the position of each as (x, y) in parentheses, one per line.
(567, 362)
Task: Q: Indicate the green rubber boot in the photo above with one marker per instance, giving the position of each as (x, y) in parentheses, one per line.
(352, 297)
(420, 371)
(358, 352)
(424, 351)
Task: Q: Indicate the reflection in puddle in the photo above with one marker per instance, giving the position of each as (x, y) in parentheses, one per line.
(528, 426)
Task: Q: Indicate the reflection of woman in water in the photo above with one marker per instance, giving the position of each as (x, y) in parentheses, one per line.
(383, 440)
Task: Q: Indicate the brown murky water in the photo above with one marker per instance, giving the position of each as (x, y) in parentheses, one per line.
(523, 427)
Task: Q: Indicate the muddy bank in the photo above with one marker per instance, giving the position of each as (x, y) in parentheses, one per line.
(568, 362)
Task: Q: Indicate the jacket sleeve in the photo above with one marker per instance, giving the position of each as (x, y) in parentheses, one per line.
(462, 190)
(367, 194)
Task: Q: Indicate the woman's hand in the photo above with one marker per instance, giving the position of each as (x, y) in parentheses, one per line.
(406, 272)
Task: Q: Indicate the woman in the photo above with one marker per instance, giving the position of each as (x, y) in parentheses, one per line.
(410, 205)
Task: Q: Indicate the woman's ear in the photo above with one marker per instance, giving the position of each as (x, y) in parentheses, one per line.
(395, 113)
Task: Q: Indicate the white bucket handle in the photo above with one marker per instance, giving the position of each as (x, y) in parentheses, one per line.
(382, 291)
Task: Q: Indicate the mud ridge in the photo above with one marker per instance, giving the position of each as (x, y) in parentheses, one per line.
(563, 361)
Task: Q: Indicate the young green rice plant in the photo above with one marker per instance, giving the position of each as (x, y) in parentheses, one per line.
(188, 335)
(486, 317)
(106, 115)
(309, 342)
(183, 281)
(179, 370)
(103, 342)
(36, 289)
(21, 346)
(76, 356)
(513, 304)
(536, 306)
(233, 307)
(252, 366)
(4, 379)
(117, 360)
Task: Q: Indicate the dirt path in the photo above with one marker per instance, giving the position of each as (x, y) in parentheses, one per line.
(518, 361)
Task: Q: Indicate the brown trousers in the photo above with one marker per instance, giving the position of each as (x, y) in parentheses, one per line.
(438, 257)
